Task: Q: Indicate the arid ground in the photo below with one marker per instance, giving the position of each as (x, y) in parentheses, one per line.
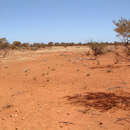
(64, 89)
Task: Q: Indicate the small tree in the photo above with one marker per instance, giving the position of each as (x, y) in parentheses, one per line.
(50, 44)
(36, 45)
(57, 44)
(25, 44)
(17, 43)
(4, 43)
(123, 29)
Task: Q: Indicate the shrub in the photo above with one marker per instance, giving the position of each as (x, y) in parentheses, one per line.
(25, 45)
(34, 48)
(97, 48)
(128, 53)
(57, 44)
(16, 44)
(4, 43)
(12, 46)
(36, 45)
(50, 44)
(127, 50)
(43, 45)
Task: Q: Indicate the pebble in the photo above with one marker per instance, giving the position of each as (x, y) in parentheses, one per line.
(26, 70)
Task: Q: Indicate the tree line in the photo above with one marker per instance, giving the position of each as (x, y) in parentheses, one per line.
(19, 45)
(122, 29)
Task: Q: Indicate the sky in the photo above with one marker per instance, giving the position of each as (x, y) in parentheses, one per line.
(61, 20)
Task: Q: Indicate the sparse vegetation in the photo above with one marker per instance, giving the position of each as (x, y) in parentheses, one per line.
(62, 73)
(123, 29)
(97, 48)
(127, 51)
(4, 44)
(64, 65)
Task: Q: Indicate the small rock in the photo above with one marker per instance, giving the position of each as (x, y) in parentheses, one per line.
(6, 67)
(67, 113)
(87, 74)
(78, 70)
(11, 115)
(100, 123)
(26, 70)
(34, 78)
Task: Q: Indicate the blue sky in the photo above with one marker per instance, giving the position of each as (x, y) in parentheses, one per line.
(61, 20)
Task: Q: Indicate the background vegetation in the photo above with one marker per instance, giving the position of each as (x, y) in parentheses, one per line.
(122, 28)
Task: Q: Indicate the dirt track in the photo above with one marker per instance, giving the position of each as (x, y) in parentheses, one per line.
(64, 89)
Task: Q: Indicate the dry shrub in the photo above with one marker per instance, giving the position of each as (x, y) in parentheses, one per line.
(4, 53)
(127, 50)
(122, 54)
(34, 48)
(98, 49)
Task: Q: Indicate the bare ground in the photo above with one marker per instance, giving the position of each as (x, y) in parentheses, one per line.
(64, 89)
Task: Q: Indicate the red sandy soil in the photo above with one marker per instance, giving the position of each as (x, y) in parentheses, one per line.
(64, 90)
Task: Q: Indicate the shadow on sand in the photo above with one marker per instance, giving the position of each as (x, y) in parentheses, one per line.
(101, 101)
